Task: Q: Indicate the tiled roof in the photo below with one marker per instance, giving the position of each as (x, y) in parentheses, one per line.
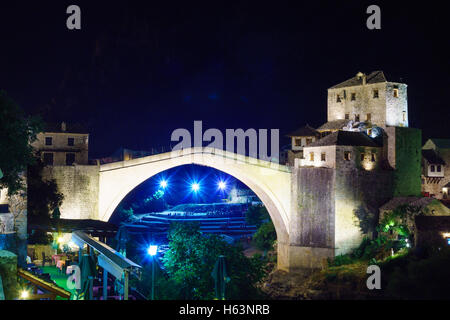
(305, 131)
(333, 125)
(345, 138)
(374, 77)
(394, 203)
(432, 157)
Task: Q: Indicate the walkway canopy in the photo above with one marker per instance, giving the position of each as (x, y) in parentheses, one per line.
(109, 259)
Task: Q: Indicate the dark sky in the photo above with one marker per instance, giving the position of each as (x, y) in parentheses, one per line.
(138, 70)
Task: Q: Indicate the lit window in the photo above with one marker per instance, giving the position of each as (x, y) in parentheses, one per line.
(70, 159)
(353, 96)
(298, 142)
(375, 93)
(323, 156)
(369, 132)
(395, 93)
(311, 156)
(369, 117)
(48, 158)
(432, 168)
(373, 157)
(70, 142)
(347, 155)
(404, 115)
(48, 141)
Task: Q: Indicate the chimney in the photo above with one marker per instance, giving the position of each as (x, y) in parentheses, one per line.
(63, 126)
(362, 76)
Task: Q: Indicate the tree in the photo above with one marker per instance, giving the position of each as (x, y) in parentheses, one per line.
(256, 215)
(190, 261)
(43, 195)
(265, 236)
(17, 132)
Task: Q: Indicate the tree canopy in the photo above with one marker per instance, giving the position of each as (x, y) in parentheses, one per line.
(17, 131)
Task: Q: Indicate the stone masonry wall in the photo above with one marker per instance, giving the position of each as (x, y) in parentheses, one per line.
(80, 186)
(359, 190)
(314, 224)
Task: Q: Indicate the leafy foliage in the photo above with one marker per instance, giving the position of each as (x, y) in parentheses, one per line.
(265, 236)
(257, 215)
(43, 195)
(16, 133)
(190, 261)
(366, 219)
(413, 277)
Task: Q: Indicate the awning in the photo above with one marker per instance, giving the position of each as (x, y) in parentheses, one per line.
(109, 259)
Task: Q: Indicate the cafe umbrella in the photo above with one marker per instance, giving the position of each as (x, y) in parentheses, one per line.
(220, 276)
(88, 272)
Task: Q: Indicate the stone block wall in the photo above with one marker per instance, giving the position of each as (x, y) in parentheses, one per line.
(80, 186)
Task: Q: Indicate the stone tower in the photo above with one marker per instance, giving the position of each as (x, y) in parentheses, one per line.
(369, 98)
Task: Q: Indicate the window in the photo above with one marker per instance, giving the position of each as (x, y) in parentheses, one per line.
(338, 98)
(363, 155)
(404, 115)
(375, 93)
(48, 158)
(308, 141)
(432, 168)
(438, 168)
(347, 155)
(70, 159)
(48, 141)
(347, 116)
(311, 156)
(298, 142)
(70, 141)
(323, 156)
(353, 96)
(369, 117)
(369, 132)
(356, 117)
(395, 93)
(373, 157)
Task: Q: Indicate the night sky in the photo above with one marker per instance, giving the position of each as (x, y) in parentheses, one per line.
(138, 70)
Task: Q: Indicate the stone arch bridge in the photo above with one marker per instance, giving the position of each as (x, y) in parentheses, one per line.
(310, 208)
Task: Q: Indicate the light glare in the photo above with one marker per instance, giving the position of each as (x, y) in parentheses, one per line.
(152, 250)
(195, 187)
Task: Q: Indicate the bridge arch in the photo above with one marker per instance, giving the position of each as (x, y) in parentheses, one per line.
(269, 181)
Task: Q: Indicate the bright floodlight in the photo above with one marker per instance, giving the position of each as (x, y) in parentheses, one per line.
(195, 187)
(222, 185)
(152, 250)
(163, 184)
(24, 294)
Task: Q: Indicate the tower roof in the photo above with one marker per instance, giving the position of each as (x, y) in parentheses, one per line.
(374, 77)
